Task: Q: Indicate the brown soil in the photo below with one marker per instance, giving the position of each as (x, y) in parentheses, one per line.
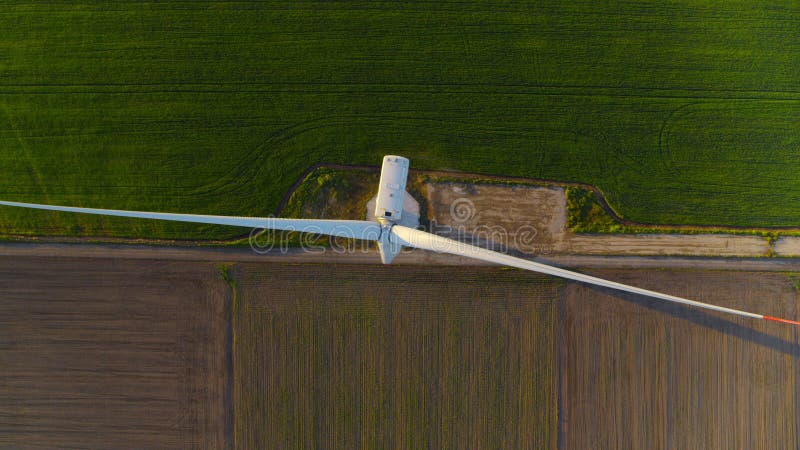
(532, 220)
(637, 373)
(104, 353)
(526, 218)
(370, 356)
(133, 353)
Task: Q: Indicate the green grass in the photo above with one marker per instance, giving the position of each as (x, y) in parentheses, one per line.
(682, 112)
(585, 214)
(329, 193)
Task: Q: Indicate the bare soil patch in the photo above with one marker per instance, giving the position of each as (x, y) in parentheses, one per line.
(788, 246)
(532, 219)
(104, 353)
(638, 373)
(528, 218)
(348, 356)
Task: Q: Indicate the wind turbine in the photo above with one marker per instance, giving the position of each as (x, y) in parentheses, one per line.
(391, 236)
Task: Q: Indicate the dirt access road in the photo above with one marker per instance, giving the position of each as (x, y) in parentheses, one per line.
(174, 253)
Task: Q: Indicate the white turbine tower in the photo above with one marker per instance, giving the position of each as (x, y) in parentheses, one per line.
(386, 229)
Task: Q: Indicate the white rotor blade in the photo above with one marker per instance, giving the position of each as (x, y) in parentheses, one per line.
(356, 229)
(424, 240)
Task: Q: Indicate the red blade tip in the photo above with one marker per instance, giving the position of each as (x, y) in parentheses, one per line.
(778, 319)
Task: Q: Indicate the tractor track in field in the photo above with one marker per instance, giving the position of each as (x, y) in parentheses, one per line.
(402, 88)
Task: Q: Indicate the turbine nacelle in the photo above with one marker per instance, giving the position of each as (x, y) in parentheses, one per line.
(392, 189)
(393, 205)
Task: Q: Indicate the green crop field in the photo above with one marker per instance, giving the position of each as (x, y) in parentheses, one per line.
(682, 112)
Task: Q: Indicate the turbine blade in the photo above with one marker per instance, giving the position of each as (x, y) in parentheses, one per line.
(356, 229)
(427, 241)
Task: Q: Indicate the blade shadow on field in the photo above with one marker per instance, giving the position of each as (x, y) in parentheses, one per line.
(707, 320)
